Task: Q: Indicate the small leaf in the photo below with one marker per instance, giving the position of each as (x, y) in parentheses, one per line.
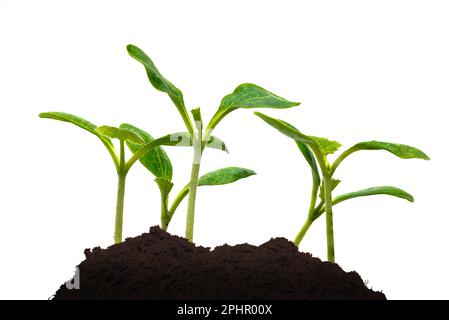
(387, 190)
(182, 139)
(400, 150)
(326, 146)
(224, 176)
(164, 185)
(118, 133)
(161, 84)
(334, 184)
(156, 160)
(249, 96)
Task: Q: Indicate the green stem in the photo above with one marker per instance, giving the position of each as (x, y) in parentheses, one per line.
(120, 196)
(175, 204)
(340, 158)
(329, 217)
(165, 188)
(164, 212)
(110, 148)
(193, 185)
(310, 217)
(303, 231)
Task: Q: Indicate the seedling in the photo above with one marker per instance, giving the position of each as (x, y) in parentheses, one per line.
(148, 148)
(315, 150)
(244, 96)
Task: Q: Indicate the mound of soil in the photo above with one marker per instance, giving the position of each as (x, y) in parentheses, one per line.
(157, 265)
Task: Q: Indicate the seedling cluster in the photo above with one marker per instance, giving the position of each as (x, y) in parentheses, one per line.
(149, 152)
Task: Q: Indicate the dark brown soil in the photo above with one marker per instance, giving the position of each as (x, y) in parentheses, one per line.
(157, 265)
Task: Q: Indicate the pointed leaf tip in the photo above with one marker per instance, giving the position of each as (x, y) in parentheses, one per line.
(400, 150)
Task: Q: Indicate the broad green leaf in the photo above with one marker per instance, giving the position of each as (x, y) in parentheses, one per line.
(400, 150)
(224, 176)
(119, 133)
(334, 184)
(160, 83)
(326, 146)
(249, 96)
(387, 190)
(156, 160)
(78, 121)
(183, 139)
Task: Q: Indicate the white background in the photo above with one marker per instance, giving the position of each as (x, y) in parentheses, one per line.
(362, 69)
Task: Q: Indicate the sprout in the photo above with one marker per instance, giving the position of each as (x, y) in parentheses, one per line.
(147, 148)
(315, 150)
(245, 96)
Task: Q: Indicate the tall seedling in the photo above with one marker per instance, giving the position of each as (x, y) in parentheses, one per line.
(315, 150)
(244, 96)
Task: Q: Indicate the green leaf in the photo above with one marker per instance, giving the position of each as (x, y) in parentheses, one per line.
(160, 83)
(387, 190)
(310, 158)
(213, 178)
(183, 139)
(249, 96)
(78, 121)
(156, 160)
(118, 133)
(224, 176)
(287, 129)
(400, 150)
(326, 146)
(334, 184)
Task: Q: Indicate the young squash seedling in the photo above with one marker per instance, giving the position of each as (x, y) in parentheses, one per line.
(150, 149)
(245, 96)
(160, 165)
(315, 150)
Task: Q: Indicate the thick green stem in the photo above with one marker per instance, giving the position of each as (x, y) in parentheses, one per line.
(192, 197)
(329, 217)
(165, 187)
(303, 231)
(120, 196)
(198, 148)
(164, 212)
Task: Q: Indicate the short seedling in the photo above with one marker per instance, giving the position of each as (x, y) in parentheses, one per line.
(149, 148)
(315, 150)
(244, 96)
